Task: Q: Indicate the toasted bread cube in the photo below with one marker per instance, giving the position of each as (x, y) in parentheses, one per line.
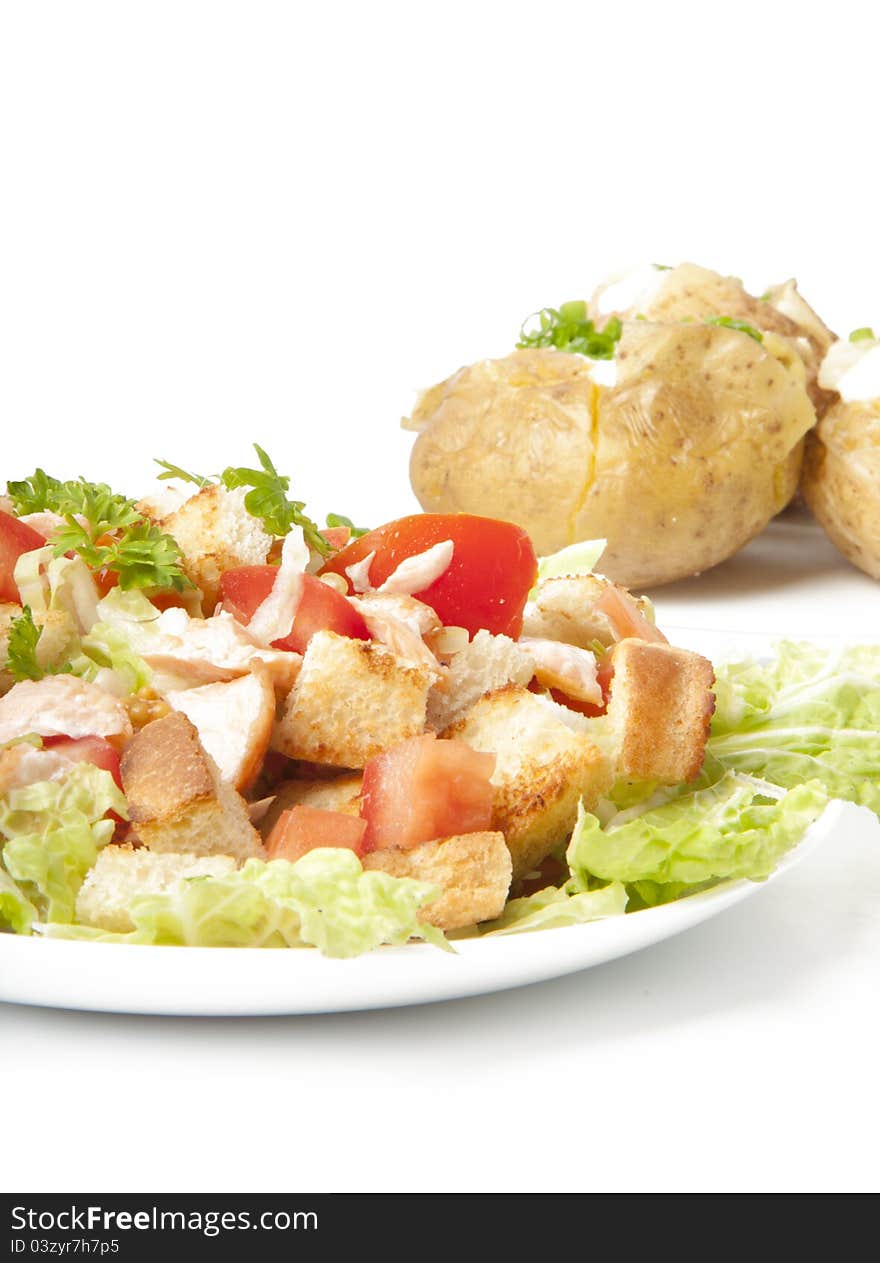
(339, 794)
(484, 665)
(177, 800)
(659, 711)
(473, 871)
(121, 873)
(216, 533)
(352, 700)
(234, 721)
(545, 767)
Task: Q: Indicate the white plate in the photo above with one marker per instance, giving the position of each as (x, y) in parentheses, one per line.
(236, 982)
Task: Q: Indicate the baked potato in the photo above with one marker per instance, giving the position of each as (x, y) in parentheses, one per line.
(841, 481)
(677, 452)
(689, 292)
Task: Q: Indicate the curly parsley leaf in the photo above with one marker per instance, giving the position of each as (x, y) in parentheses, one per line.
(268, 501)
(182, 475)
(339, 519)
(104, 528)
(567, 328)
(741, 326)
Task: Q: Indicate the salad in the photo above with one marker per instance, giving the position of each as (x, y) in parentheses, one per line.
(224, 725)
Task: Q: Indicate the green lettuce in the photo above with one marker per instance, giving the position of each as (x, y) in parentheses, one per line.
(52, 832)
(732, 829)
(325, 900)
(576, 559)
(810, 715)
(552, 907)
(16, 912)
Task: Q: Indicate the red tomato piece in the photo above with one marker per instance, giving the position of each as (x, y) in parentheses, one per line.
(485, 585)
(336, 536)
(424, 789)
(87, 750)
(302, 829)
(321, 608)
(15, 538)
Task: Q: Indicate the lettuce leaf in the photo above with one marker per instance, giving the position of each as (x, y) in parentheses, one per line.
(325, 900)
(809, 715)
(16, 912)
(552, 907)
(52, 833)
(732, 829)
(575, 559)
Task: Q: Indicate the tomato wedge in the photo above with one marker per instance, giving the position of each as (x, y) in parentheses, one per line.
(321, 608)
(301, 829)
(15, 538)
(485, 585)
(87, 750)
(424, 789)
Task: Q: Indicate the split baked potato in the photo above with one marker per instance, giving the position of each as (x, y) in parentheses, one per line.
(841, 481)
(677, 452)
(692, 293)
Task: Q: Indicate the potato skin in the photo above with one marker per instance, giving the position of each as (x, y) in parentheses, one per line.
(511, 439)
(693, 293)
(841, 481)
(677, 466)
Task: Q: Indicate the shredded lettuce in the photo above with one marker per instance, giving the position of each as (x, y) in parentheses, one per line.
(576, 559)
(17, 913)
(324, 900)
(52, 832)
(46, 582)
(810, 715)
(732, 829)
(552, 907)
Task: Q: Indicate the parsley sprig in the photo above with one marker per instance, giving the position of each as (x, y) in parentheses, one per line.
(339, 519)
(21, 650)
(104, 528)
(266, 499)
(568, 328)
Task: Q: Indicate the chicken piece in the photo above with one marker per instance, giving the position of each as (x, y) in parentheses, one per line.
(234, 721)
(62, 706)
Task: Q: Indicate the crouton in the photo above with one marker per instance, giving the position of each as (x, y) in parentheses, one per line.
(473, 871)
(62, 706)
(564, 609)
(234, 721)
(121, 873)
(57, 636)
(544, 768)
(216, 533)
(351, 701)
(659, 711)
(177, 800)
(484, 665)
(339, 794)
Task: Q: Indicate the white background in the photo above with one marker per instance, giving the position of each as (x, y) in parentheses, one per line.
(230, 222)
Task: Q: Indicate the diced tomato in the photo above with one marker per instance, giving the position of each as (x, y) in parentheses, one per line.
(302, 829)
(87, 750)
(626, 618)
(604, 675)
(15, 538)
(485, 585)
(337, 536)
(321, 608)
(424, 789)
